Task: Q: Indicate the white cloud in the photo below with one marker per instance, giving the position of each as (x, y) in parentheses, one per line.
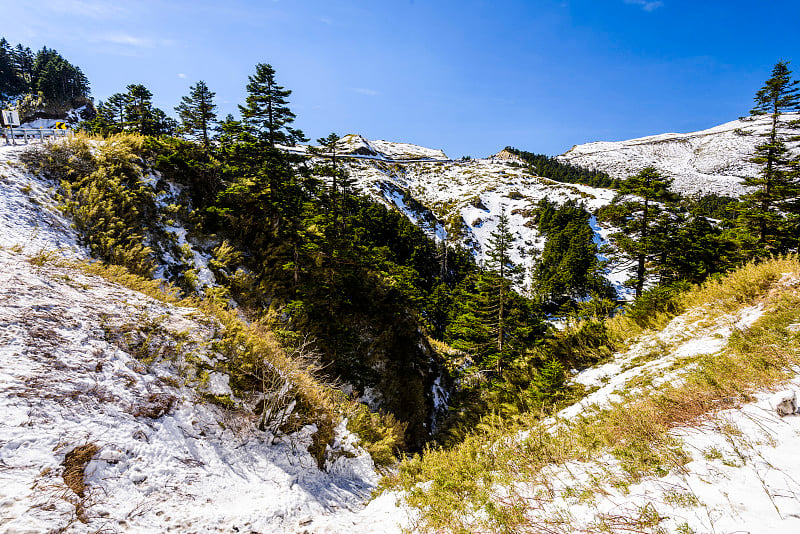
(368, 92)
(182, 76)
(647, 5)
(125, 39)
(86, 8)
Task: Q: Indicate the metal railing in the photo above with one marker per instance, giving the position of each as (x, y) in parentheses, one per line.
(29, 134)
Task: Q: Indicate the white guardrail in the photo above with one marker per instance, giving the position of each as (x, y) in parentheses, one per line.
(29, 134)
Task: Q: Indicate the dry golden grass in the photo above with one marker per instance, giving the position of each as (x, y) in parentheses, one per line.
(75, 462)
(461, 487)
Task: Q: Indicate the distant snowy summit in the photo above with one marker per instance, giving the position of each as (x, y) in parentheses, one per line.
(357, 146)
(709, 161)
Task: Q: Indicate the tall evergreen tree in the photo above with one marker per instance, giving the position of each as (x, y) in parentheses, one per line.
(775, 190)
(498, 260)
(197, 113)
(23, 61)
(266, 111)
(568, 268)
(139, 108)
(638, 210)
(9, 81)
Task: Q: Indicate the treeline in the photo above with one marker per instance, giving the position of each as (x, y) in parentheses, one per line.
(131, 111)
(45, 73)
(550, 167)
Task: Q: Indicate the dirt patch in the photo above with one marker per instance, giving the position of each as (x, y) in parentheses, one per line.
(156, 405)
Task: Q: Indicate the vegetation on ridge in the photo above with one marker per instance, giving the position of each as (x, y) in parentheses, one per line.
(397, 320)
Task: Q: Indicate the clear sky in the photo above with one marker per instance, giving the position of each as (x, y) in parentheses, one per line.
(466, 76)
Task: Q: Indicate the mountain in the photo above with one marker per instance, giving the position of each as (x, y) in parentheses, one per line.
(459, 201)
(121, 414)
(708, 161)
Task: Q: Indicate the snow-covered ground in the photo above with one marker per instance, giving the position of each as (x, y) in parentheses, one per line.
(709, 161)
(741, 477)
(167, 460)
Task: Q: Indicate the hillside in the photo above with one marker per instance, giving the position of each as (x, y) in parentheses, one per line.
(708, 161)
(688, 428)
(115, 418)
(118, 407)
(459, 201)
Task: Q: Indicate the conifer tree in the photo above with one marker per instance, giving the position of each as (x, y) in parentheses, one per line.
(568, 268)
(266, 111)
(197, 113)
(638, 210)
(116, 106)
(775, 190)
(23, 62)
(498, 260)
(9, 81)
(139, 108)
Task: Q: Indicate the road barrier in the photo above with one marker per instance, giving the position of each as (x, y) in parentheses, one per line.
(29, 134)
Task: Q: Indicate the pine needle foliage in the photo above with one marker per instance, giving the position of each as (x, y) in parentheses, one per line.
(485, 483)
(770, 211)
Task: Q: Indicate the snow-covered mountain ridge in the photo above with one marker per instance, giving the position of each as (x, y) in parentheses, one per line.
(459, 201)
(707, 161)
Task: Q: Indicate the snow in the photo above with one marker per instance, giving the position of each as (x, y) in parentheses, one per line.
(167, 459)
(460, 201)
(741, 477)
(708, 161)
(28, 216)
(698, 332)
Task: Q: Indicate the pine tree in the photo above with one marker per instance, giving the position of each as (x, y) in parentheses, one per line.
(139, 108)
(340, 183)
(499, 262)
(197, 113)
(116, 106)
(267, 112)
(638, 210)
(9, 81)
(23, 63)
(568, 268)
(775, 189)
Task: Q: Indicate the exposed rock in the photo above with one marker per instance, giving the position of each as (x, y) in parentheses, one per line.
(784, 402)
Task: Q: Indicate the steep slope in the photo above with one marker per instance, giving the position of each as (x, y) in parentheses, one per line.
(460, 201)
(678, 432)
(708, 161)
(118, 415)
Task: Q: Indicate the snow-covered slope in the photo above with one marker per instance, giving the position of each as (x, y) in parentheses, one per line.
(460, 201)
(160, 456)
(709, 161)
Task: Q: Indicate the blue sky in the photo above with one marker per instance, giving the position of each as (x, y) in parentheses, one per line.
(467, 76)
